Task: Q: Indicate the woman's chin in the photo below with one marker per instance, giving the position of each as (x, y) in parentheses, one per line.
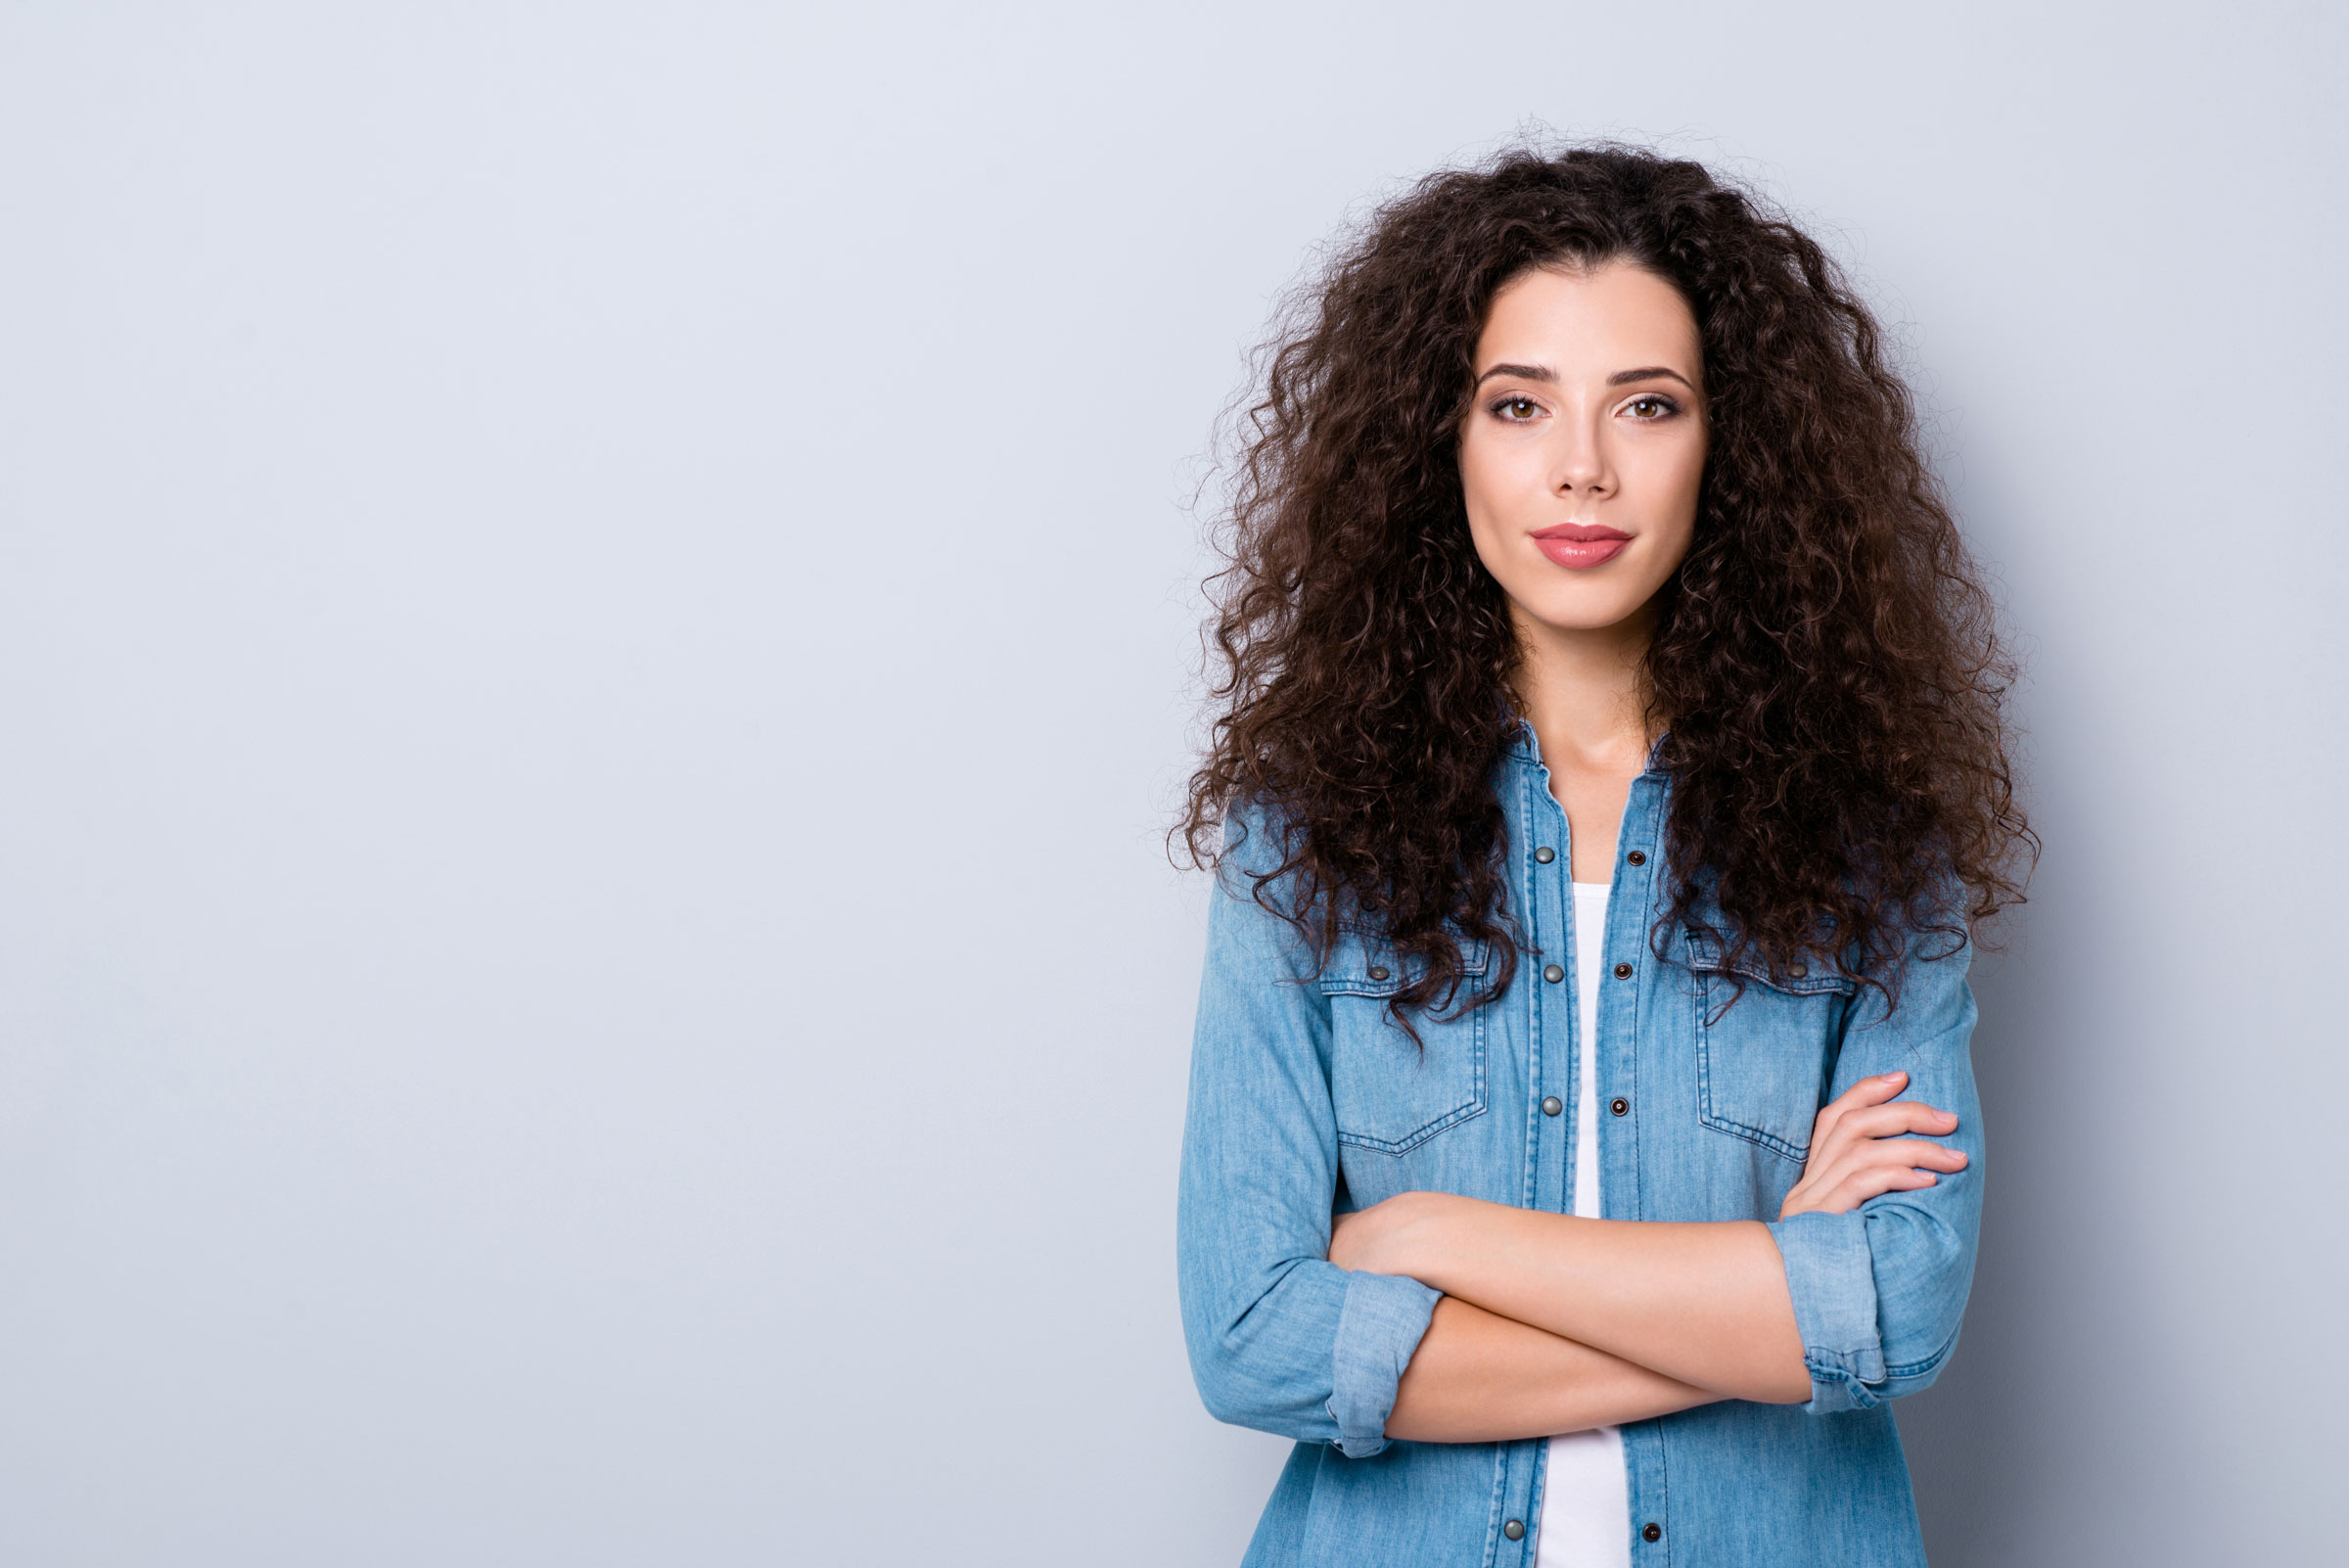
(1587, 612)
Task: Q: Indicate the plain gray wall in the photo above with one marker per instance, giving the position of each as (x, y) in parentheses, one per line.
(596, 618)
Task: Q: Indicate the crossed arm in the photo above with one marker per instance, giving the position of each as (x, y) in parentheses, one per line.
(1553, 1323)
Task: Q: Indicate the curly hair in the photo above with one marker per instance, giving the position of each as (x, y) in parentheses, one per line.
(1825, 659)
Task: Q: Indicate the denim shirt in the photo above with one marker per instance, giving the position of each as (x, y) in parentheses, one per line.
(1300, 1082)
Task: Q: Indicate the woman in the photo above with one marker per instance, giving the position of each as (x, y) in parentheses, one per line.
(1583, 1148)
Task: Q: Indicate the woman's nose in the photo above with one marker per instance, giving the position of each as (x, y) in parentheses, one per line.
(1582, 467)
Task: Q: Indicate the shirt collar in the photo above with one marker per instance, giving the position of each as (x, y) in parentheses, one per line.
(1526, 749)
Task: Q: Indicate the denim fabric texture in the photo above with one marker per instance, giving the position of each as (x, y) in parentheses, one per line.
(1306, 1097)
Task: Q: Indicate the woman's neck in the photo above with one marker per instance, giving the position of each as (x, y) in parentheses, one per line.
(1586, 693)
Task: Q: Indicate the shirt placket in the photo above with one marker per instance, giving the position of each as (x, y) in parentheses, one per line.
(1629, 996)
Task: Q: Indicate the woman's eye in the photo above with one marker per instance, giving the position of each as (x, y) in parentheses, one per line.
(1517, 408)
(1651, 407)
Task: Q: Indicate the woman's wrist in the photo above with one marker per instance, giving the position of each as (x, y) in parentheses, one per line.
(1433, 1238)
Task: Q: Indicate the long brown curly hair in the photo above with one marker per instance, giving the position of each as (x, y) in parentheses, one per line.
(1826, 659)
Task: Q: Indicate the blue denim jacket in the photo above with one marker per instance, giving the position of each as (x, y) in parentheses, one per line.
(1299, 1081)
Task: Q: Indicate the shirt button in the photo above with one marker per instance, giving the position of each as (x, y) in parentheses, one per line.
(1514, 1530)
(1552, 1106)
(1623, 971)
(1378, 971)
(1620, 1106)
(1545, 854)
(1638, 857)
(1651, 1532)
(1797, 971)
(1553, 974)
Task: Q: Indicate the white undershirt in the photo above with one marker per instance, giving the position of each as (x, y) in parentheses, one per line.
(1585, 1504)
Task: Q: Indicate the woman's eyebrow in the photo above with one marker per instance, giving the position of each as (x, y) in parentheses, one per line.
(1620, 378)
(1650, 372)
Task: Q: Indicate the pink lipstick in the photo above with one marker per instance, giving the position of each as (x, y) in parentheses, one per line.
(1580, 544)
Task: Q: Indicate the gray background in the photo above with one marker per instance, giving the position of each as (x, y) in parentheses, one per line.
(595, 618)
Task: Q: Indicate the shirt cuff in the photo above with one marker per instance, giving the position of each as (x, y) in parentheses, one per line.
(1831, 1276)
(1381, 1324)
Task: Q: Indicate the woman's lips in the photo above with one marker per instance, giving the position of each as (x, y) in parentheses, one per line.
(1578, 544)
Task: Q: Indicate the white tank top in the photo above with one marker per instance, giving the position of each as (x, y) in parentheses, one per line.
(1585, 1504)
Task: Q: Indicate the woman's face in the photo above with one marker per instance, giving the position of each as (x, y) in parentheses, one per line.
(1585, 442)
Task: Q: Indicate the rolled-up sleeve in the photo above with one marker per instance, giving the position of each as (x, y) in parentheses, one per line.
(1280, 1339)
(1879, 1292)
(1380, 1325)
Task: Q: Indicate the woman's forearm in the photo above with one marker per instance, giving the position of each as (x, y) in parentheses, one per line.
(1480, 1377)
(1702, 1304)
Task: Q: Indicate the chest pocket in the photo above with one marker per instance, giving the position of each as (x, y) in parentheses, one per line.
(1390, 1096)
(1763, 1062)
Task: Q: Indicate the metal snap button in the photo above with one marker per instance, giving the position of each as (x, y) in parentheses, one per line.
(1545, 854)
(1651, 1532)
(1378, 971)
(1638, 857)
(1620, 1106)
(1514, 1530)
(1552, 1105)
(1623, 971)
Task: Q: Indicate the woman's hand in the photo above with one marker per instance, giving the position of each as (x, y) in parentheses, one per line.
(1378, 1239)
(1857, 1152)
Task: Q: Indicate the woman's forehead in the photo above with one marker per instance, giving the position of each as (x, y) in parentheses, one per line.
(1579, 323)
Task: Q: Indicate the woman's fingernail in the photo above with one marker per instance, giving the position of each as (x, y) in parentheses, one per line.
(1894, 1078)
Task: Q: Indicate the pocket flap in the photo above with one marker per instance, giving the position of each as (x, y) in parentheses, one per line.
(1366, 964)
(1705, 955)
